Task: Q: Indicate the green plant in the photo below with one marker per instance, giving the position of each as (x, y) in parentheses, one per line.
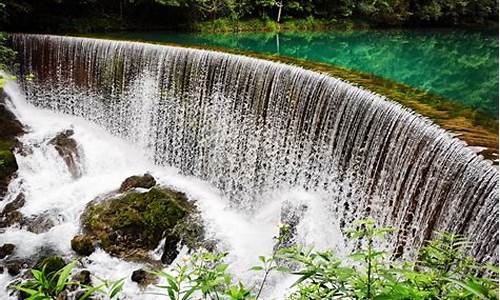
(110, 289)
(204, 273)
(272, 263)
(443, 270)
(47, 285)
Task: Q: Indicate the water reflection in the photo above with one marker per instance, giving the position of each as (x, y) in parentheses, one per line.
(461, 65)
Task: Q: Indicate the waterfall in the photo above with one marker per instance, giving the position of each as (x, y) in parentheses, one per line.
(250, 127)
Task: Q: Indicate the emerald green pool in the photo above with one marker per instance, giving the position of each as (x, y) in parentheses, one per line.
(461, 65)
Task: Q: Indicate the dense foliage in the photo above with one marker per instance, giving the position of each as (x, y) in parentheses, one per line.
(95, 15)
(443, 271)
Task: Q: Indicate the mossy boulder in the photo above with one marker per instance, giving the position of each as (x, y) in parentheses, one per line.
(132, 224)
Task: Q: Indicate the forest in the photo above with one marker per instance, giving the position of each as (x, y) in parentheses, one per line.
(110, 15)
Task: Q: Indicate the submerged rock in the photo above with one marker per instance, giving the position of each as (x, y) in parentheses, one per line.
(146, 181)
(67, 148)
(40, 223)
(132, 224)
(6, 250)
(83, 245)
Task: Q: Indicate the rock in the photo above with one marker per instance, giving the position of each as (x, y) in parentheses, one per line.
(51, 264)
(10, 219)
(143, 278)
(83, 277)
(6, 250)
(40, 223)
(82, 245)
(14, 267)
(10, 214)
(14, 205)
(67, 148)
(10, 128)
(170, 249)
(131, 225)
(146, 181)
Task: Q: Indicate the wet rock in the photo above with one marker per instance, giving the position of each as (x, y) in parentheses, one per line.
(10, 219)
(22, 149)
(143, 278)
(67, 148)
(6, 250)
(170, 249)
(131, 225)
(146, 181)
(10, 214)
(10, 128)
(15, 266)
(83, 245)
(39, 223)
(15, 204)
(83, 277)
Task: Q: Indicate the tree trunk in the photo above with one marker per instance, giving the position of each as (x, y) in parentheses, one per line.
(280, 6)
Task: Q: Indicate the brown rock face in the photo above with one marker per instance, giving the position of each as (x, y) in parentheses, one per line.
(67, 148)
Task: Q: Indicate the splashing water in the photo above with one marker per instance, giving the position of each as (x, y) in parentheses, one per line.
(48, 185)
(241, 136)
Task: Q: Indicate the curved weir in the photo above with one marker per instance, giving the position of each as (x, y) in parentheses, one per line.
(251, 127)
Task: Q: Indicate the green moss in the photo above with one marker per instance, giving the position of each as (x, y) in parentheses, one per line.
(139, 219)
(8, 164)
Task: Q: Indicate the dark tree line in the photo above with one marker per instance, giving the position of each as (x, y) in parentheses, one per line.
(98, 15)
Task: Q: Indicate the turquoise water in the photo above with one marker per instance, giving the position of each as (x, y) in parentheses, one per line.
(461, 65)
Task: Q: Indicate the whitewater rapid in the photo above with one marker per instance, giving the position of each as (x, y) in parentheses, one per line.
(106, 161)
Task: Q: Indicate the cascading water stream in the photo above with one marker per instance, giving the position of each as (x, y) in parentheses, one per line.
(256, 131)
(51, 190)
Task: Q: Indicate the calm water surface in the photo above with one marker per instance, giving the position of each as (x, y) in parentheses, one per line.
(461, 65)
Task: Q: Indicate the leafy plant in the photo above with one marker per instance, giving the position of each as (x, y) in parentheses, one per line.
(204, 273)
(110, 289)
(442, 270)
(47, 285)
